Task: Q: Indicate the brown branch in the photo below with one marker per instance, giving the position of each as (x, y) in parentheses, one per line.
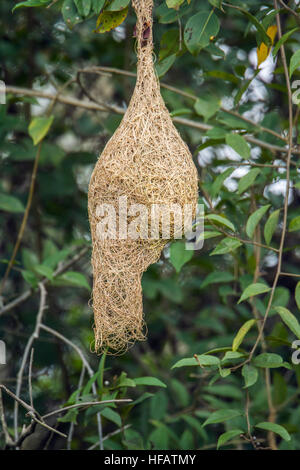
(14, 303)
(30, 377)
(31, 339)
(286, 198)
(178, 91)
(8, 439)
(289, 274)
(87, 366)
(290, 10)
(96, 107)
(86, 405)
(25, 217)
(31, 412)
(113, 433)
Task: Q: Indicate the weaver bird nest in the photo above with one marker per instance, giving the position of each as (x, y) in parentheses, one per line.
(147, 162)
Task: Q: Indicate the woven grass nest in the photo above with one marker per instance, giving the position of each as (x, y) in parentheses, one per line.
(147, 161)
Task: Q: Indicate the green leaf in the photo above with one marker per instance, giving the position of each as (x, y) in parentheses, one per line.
(254, 289)
(241, 334)
(70, 13)
(90, 382)
(74, 279)
(69, 417)
(224, 390)
(248, 180)
(264, 36)
(221, 220)
(10, 204)
(180, 112)
(180, 393)
(125, 381)
(254, 219)
(83, 6)
(44, 271)
(169, 44)
(142, 398)
(231, 356)
(29, 277)
(217, 277)
(205, 360)
(97, 5)
(277, 428)
(227, 245)
(174, 3)
(216, 3)
(268, 360)
(294, 224)
(31, 3)
(179, 255)
(250, 375)
(208, 360)
(216, 133)
(279, 389)
(222, 415)
(112, 415)
(294, 62)
(108, 20)
(207, 106)
(282, 40)
(39, 128)
(164, 65)
(199, 29)
(289, 319)
(186, 362)
(206, 235)
(227, 436)
(193, 423)
(271, 225)
(218, 183)
(117, 5)
(297, 295)
(152, 381)
(224, 372)
(239, 144)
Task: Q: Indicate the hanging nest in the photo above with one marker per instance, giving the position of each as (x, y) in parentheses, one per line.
(146, 161)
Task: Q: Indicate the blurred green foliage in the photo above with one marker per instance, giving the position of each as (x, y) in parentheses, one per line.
(199, 382)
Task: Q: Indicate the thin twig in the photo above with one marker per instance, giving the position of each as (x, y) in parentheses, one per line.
(286, 198)
(86, 405)
(88, 367)
(70, 343)
(290, 10)
(72, 425)
(61, 269)
(111, 434)
(178, 91)
(289, 274)
(179, 120)
(30, 377)
(8, 439)
(30, 411)
(31, 339)
(25, 217)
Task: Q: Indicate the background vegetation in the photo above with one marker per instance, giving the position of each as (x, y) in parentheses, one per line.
(241, 391)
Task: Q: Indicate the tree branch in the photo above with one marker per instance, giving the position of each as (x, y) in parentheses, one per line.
(96, 107)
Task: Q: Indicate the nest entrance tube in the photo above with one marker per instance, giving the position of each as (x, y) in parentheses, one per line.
(147, 163)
